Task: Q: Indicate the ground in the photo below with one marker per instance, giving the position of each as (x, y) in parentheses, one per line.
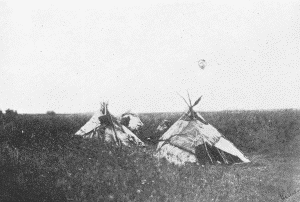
(42, 161)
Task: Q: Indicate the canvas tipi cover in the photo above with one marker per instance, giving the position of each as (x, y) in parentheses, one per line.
(105, 126)
(192, 139)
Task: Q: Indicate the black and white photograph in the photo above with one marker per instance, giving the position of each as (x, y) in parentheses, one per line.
(149, 101)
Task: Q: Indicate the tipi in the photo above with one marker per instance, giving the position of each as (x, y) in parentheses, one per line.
(132, 122)
(192, 139)
(106, 126)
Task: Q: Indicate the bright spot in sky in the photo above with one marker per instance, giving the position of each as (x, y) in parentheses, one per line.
(68, 56)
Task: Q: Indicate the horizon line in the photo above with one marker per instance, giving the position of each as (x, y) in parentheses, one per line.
(145, 112)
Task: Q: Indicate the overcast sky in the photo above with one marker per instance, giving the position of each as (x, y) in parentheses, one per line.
(68, 56)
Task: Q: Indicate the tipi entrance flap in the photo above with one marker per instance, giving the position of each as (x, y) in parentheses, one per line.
(228, 147)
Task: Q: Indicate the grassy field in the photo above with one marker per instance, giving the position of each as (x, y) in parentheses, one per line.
(46, 162)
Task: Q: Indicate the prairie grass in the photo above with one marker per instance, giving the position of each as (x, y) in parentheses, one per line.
(55, 166)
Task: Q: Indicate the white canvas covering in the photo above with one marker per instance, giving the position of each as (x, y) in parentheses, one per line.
(228, 147)
(183, 141)
(110, 133)
(91, 124)
(134, 122)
